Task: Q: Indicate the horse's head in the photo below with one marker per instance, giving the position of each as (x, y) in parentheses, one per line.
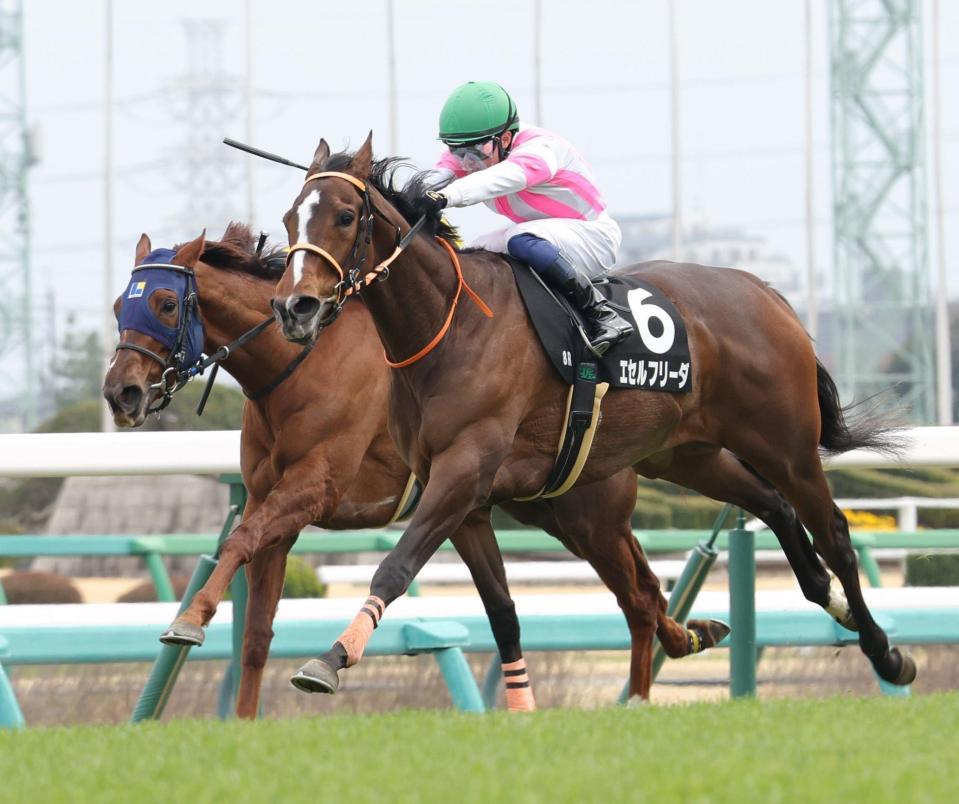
(160, 331)
(330, 227)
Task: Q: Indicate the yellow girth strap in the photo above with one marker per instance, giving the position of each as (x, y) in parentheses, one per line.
(404, 499)
(584, 447)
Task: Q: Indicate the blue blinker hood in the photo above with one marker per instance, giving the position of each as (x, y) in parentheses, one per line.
(135, 312)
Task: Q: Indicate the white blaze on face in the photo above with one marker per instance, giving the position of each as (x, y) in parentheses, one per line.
(303, 213)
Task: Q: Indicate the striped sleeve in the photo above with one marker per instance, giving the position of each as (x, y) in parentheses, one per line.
(484, 185)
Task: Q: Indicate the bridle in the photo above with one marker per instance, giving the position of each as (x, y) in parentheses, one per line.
(180, 366)
(174, 376)
(352, 280)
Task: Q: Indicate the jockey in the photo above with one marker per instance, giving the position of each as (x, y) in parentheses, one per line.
(539, 181)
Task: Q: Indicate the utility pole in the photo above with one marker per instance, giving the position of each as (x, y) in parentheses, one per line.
(677, 228)
(812, 301)
(109, 325)
(393, 101)
(943, 339)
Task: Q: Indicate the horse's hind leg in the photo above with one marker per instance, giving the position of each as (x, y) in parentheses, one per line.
(476, 544)
(809, 493)
(594, 523)
(265, 575)
(718, 473)
(796, 470)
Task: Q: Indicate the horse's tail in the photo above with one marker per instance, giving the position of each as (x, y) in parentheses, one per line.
(856, 426)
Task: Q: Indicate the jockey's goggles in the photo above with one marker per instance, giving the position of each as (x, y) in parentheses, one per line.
(473, 155)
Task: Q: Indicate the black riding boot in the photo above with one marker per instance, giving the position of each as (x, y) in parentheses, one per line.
(607, 327)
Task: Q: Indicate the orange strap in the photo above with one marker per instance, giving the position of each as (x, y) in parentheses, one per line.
(351, 179)
(314, 250)
(461, 285)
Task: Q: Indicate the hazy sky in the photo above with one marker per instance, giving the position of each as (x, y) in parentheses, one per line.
(320, 69)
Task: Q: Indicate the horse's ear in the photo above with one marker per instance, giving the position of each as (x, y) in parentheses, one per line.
(189, 253)
(362, 160)
(143, 248)
(320, 156)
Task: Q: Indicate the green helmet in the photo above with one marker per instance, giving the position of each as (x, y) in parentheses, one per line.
(476, 110)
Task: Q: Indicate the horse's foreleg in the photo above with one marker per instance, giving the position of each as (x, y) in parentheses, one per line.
(265, 574)
(476, 544)
(299, 498)
(460, 480)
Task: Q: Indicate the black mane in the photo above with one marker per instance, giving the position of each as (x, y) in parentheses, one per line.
(404, 198)
(236, 251)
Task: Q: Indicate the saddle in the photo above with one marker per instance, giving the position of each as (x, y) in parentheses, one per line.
(654, 358)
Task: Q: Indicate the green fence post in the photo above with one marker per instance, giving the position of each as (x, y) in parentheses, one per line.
(445, 641)
(230, 685)
(742, 610)
(459, 679)
(167, 665)
(491, 681)
(869, 565)
(239, 593)
(10, 715)
(161, 577)
(684, 592)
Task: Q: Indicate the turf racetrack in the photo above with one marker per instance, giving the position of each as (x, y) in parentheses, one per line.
(839, 749)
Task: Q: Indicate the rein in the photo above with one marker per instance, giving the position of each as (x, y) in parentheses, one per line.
(461, 285)
(351, 283)
(175, 376)
(221, 354)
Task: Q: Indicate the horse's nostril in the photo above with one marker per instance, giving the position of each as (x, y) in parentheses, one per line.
(129, 398)
(305, 307)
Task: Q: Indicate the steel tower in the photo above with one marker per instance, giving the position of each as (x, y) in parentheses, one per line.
(17, 369)
(209, 178)
(884, 333)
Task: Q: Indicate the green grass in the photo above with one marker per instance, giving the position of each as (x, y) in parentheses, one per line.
(840, 749)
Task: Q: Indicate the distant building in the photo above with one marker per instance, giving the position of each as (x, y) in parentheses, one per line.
(649, 237)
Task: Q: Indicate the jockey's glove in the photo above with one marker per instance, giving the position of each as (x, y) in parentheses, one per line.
(431, 203)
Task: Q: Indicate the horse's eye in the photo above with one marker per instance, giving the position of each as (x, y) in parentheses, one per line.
(345, 218)
(169, 306)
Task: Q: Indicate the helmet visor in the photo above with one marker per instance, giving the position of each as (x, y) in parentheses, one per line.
(473, 156)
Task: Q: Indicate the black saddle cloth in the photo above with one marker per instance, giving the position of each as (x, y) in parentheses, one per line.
(655, 357)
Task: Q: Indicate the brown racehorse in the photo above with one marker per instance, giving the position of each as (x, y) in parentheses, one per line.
(478, 416)
(310, 455)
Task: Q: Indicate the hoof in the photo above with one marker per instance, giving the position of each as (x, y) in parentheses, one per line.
(705, 634)
(316, 676)
(637, 702)
(907, 671)
(183, 633)
(718, 631)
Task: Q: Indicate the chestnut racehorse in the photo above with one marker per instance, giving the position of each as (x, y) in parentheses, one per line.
(316, 450)
(476, 407)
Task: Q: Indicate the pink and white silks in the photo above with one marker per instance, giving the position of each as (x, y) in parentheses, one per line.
(547, 189)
